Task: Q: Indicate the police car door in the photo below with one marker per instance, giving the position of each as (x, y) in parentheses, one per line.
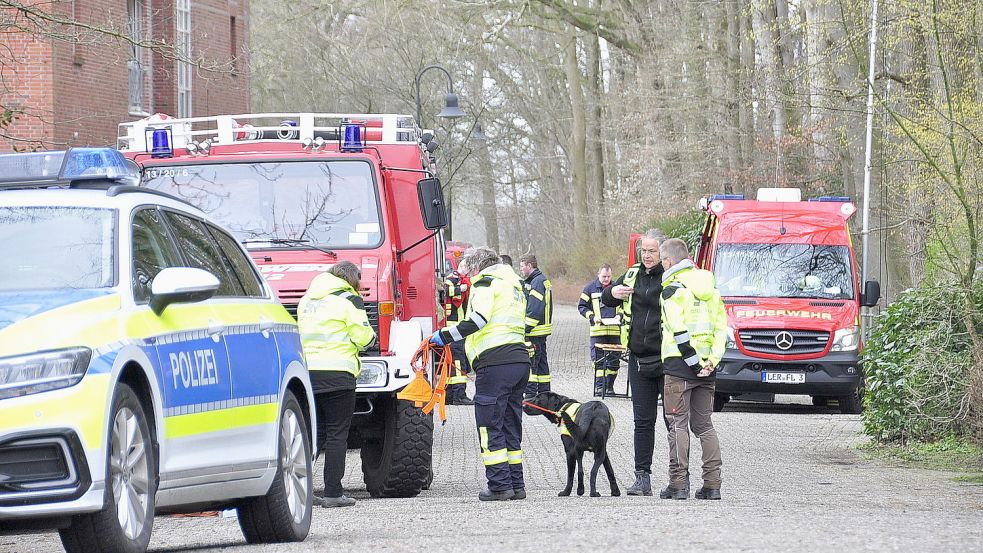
(253, 356)
(196, 364)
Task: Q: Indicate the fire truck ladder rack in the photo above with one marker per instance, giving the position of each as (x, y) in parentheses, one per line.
(267, 127)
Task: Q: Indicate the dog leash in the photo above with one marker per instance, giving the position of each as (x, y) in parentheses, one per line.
(543, 409)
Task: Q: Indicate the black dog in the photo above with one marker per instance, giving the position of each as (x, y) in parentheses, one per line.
(584, 427)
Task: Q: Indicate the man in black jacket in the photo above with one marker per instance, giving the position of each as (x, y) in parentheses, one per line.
(639, 290)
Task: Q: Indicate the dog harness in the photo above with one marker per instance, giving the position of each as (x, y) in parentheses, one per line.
(571, 410)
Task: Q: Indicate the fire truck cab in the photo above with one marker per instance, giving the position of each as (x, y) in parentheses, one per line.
(303, 191)
(787, 273)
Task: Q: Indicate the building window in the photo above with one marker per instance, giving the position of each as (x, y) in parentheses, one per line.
(234, 44)
(182, 41)
(136, 69)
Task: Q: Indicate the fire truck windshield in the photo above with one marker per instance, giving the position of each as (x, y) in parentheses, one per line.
(291, 204)
(784, 271)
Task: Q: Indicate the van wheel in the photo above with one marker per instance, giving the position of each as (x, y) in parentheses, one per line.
(719, 400)
(398, 462)
(284, 513)
(852, 404)
(125, 522)
(820, 401)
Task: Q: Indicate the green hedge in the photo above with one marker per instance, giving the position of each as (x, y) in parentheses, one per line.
(918, 362)
(686, 226)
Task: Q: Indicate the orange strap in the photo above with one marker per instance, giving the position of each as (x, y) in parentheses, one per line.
(444, 365)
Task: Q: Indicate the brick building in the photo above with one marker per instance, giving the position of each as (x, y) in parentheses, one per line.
(70, 85)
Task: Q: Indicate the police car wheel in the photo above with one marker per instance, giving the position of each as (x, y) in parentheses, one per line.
(125, 522)
(397, 462)
(284, 513)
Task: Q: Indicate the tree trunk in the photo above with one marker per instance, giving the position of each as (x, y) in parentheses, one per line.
(578, 138)
(763, 24)
(598, 134)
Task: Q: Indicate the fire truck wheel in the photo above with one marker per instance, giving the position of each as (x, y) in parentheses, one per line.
(852, 404)
(719, 400)
(398, 462)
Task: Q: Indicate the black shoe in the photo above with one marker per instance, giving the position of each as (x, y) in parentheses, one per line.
(667, 491)
(674, 493)
(707, 493)
(519, 493)
(488, 495)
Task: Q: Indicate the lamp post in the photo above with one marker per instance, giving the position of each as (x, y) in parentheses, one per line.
(451, 109)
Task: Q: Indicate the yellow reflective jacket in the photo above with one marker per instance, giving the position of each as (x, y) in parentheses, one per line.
(694, 322)
(333, 325)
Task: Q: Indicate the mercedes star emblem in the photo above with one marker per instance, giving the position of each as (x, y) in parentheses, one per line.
(784, 340)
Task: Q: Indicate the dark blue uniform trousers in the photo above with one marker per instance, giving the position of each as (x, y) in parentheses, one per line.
(606, 363)
(539, 377)
(498, 413)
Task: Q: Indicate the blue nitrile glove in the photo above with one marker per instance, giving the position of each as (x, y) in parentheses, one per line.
(437, 339)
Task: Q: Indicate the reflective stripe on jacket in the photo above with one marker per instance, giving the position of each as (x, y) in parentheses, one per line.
(539, 306)
(457, 298)
(641, 331)
(694, 322)
(333, 325)
(495, 318)
(590, 307)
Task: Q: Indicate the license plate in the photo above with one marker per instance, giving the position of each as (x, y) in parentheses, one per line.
(783, 378)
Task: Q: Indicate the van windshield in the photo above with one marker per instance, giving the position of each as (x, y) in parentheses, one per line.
(281, 204)
(784, 271)
(54, 248)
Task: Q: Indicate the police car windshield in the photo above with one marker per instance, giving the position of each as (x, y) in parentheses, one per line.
(784, 271)
(293, 204)
(51, 248)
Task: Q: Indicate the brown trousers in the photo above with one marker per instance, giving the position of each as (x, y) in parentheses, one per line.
(688, 405)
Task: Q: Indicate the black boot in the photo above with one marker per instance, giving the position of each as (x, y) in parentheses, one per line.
(707, 493)
(667, 492)
(488, 495)
(642, 485)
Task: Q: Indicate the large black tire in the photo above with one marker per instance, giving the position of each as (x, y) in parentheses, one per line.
(719, 400)
(397, 462)
(820, 401)
(131, 475)
(284, 513)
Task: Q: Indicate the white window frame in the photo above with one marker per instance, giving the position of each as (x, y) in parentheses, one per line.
(182, 43)
(136, 21)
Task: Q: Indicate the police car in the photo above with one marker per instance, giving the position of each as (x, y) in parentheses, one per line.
(145, 366)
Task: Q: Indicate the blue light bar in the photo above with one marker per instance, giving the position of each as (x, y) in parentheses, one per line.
(351, 137)
(31, 167)
(727, 197)
(82, 164)
(831, 199)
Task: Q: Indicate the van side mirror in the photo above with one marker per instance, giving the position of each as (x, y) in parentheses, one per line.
(432, 203)
(871, 294)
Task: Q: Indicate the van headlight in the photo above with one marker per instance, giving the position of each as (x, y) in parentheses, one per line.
(731, 341)
(846, 339)
(21, 375)
(374, 373)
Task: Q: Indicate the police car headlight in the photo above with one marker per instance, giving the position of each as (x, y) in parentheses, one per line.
(21, 375)
(373, 373)
(731, 341)
(846, 339)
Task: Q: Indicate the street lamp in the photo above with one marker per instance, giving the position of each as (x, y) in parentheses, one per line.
(451, 109)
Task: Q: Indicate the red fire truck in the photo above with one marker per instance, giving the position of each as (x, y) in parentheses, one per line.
(303, 191)
(786, 270)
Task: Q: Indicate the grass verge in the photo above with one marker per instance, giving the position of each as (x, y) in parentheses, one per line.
(948, 454)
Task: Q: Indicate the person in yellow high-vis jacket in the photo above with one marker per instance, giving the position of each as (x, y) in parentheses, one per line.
(494, 337)
(458, 287)
(333, 329)
(694, 334)
(539, 322)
